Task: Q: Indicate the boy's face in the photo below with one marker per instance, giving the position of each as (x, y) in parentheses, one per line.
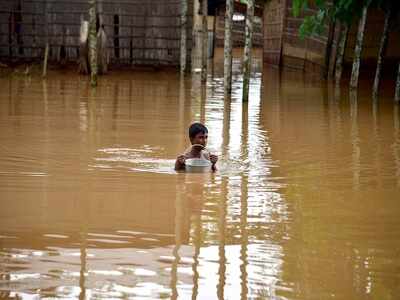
(200, 138)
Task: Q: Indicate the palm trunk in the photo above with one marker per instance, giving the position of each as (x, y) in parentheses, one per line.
(358, 48)
(183, 35)
(204, 54)
(92, 42)
(382, 50)
(247, 49)
(228, 48)
(397, 91)
(340, 55)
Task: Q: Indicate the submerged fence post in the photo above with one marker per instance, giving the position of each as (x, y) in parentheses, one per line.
(382, 50)
(358, 48)
(92, 43)
(184, 11)
(247, 49)
(228, 48)
(204, 52)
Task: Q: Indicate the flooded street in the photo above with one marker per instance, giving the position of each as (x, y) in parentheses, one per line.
(305, 204)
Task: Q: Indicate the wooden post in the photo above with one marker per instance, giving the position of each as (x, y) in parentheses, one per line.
(247, 49)
(184, 10)
(92, 43)
(397, 90)
(381, 54)
(204, 53)
(341, 49)
(228, 48)
(358, 48)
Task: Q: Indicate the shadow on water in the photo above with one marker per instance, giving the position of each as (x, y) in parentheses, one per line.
(304, 205)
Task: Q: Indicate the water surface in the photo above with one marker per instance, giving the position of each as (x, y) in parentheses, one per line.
(305, 204)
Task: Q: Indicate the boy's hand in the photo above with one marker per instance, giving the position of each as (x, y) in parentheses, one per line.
(213, 158)
(181, 159)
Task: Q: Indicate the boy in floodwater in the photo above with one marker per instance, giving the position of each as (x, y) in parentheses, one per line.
(198, 135)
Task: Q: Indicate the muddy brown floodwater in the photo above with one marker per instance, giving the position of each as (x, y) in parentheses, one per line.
(305, 205)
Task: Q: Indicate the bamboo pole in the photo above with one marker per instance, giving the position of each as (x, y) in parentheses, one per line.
(247, 49)
(341, 49)
(358, 48)
(184, 10)
(397, 90)
(381, 54)
(204, 53)
(228, 48)
(92, 43)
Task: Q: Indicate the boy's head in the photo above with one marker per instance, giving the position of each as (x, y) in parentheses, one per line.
(198, 134)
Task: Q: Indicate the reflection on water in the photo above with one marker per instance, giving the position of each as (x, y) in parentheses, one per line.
(304, 205)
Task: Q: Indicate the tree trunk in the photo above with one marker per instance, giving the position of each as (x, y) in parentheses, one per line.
(397, 91)
(46, 38)
(83, 63)
(329, 46)
(46, 55)
(247, 49)
(340, 55)
(228, 48)
(184, 11)
(92, 42)
(358, 48)
(204, 53)
(214, 37)
(381, 54)
(102, 52)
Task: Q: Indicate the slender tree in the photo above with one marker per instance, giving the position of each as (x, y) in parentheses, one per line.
(204, 56)
(92, 43)
(228, 48)
(46, 38)
(247, 49)
(340, 55)
(397, 90)
(358, 48)
(382, 50)
(184, 10)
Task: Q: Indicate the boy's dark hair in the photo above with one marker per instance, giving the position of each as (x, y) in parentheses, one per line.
(197, 128)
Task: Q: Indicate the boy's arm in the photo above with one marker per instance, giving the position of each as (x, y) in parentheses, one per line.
(213, 159)
(180, 163)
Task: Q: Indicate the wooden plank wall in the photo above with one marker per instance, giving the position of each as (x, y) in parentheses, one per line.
(138, 31)
(238, 31)
(307, 54)
(282, 43)
(273, 31)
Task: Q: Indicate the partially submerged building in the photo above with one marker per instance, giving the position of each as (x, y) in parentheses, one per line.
(147, 32)
(138, 31)
(284, 47)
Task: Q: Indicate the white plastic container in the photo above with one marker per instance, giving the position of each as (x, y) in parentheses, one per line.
(197, 165)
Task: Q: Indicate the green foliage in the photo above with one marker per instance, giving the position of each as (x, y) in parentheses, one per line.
(341, 10)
